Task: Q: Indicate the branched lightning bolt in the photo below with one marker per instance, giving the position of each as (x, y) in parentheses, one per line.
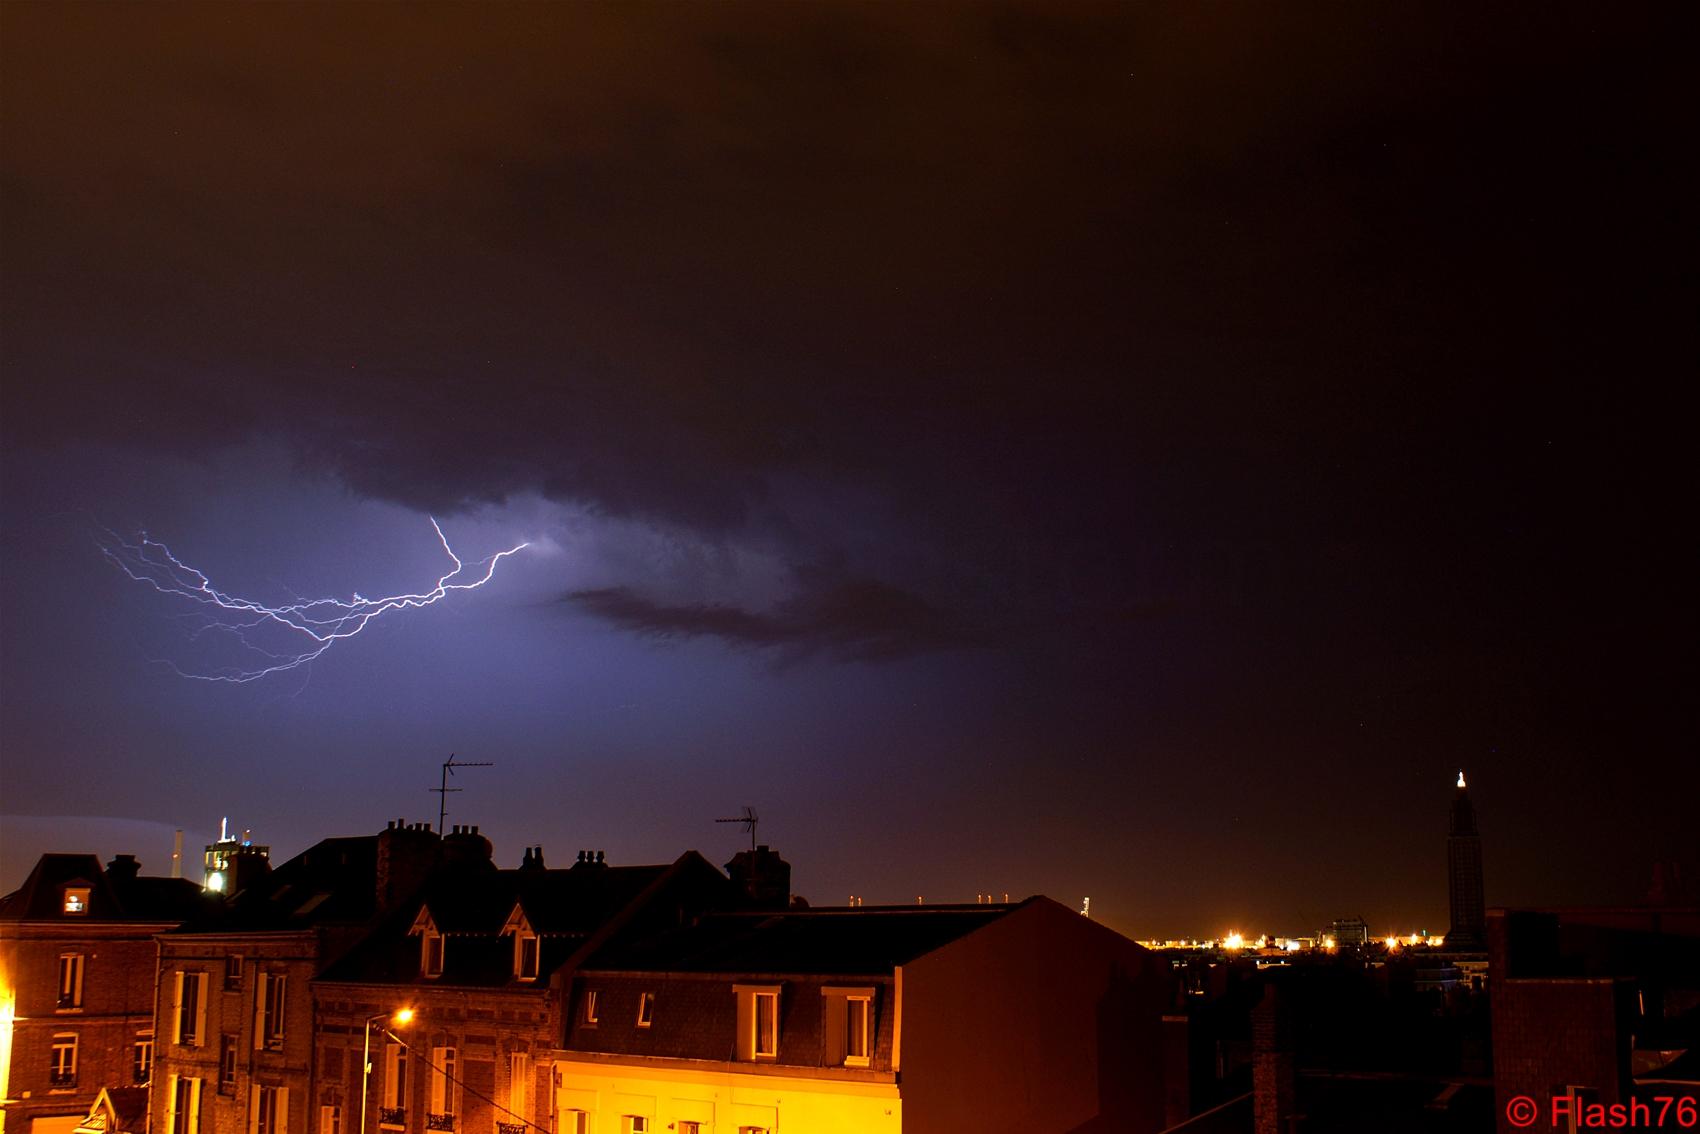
(304, 629)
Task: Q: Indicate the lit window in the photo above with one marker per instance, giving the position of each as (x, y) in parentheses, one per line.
(848, 1025)
(190, 1021)
(272, 1001)
(857, 1014)
(226, 1065)
(590, 1006)
(183, 1106)
(431, 944)
(519, 1072)
(70, 981)
(758, 1021)
(646, 1009)
(268, 1112)
(442, 1102)
(525, 956)
(141, 1058)
(76, 900)
(62, 1068)
(395, 1086)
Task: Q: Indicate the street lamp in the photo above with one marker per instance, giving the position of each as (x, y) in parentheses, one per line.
(399, 1018)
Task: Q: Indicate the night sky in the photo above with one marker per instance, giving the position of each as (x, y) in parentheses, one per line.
(1138, 452)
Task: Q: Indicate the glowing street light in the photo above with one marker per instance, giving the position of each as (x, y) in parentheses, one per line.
(1233, 942)
(401, 1017)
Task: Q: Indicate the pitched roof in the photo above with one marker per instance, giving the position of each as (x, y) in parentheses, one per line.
(856, 940)
(331, 882)
(566, 908)
(42, 896)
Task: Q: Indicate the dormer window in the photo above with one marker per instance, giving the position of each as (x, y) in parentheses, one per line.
(430, 945)
(76, 900)
(526, 944)
(758, 1021)
(849, 1030)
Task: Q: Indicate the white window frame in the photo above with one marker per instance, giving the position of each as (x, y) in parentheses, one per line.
(141, 1057)
(71, 982)
(753, 1047)
(271, 1004)
(442, 1096)
(646, 1009)
(522, 939)
(395, 1076)
(519, 1075)
(62, 1060)
(75, 902)
(578, 1122)
(268, 1109)
(634, 1124)
(182, 1105)
(190, 1000)
(431, 964)
(226, 1063)
(590, 1007)
(865, 1033)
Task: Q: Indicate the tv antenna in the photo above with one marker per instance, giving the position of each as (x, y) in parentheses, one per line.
(749, 819)
(443, 789)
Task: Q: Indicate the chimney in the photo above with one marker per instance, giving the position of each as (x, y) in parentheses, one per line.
(123, 869)
(406, 857)
(1274, 1081)
(763, 876)
(588, 858)
(248, 867)
(533, 859)
(464, 846)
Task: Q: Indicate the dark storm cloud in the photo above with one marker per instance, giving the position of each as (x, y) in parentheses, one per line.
(859, 620)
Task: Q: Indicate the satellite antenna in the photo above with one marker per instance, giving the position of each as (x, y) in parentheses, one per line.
(749, 819)
(443, 789)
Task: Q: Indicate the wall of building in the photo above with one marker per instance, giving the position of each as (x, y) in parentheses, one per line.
(1042, 1021)
(724, 1098)
(232, 1011)
(486, 1027)
(117, 1006)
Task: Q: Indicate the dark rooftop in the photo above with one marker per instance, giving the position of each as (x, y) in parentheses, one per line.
(110, 898)
(861, 939)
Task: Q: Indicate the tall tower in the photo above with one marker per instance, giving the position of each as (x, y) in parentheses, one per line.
(1464, 875)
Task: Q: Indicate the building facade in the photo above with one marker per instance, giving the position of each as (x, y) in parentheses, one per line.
(77, 965)
(916, 1018)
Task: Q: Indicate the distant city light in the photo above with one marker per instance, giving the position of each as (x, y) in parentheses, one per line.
(1233, 942)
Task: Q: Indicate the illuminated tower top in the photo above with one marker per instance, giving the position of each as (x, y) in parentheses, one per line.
(1464, 875)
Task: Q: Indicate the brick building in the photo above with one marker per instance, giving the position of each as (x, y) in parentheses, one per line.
(481, 959)
(1594, 1005)
(77, 970)
(234, 1016)
(912, 1018)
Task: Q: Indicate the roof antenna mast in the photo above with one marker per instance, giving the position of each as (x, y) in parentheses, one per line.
(443, 789)
(749, 819)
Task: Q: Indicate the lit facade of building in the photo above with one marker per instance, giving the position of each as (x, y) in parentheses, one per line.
(234, 1016)
(916, 1018)
(481, 960)
(76, 985)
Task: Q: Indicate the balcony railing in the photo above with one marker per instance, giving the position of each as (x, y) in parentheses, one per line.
(62, 1078)
(439, 1121)
(392, 1116)
(510, 1128)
